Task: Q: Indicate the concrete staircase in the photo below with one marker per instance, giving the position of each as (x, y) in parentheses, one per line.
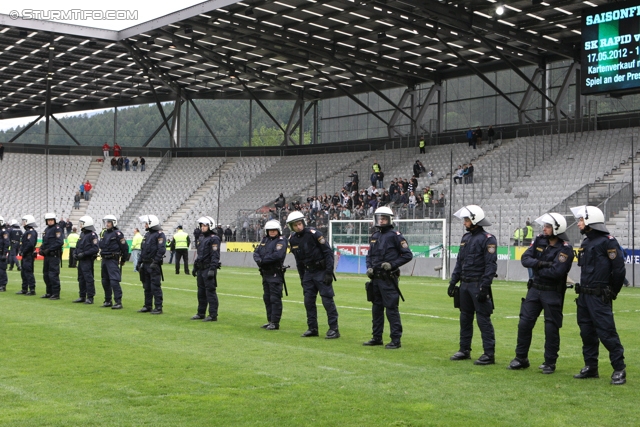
(95, 168)
(173, 221)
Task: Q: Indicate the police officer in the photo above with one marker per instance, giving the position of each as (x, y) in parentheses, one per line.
(314, 260)
(269, 255)
(51, 250)
(205, 268)
(150, 264)
(601, 277)
(388, 251)
(114, 251)
(475, 269)
(85, 254)
(550, 256)
(5, 242)
(15, 236)
(72, 239)
(182, 242)
(27, 252)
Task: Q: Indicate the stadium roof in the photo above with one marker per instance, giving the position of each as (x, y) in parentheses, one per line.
(284, 49)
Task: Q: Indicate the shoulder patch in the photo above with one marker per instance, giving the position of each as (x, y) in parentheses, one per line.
(613, 253)
(95, 241)
(278, 246)
(57, 234)
(610, 236)
(563, 257)
(321, 240)
(312, 230)
(123, 241)
(404, 244)
(491, 249)
(398, 233)
(214, 246)
(160, 240)
(489, 235)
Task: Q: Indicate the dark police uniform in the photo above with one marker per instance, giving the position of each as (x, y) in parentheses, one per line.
(475, 268)
(314, 260)
(15, 236)
(550, 264)
(387, 245)
(269, 255)
(601, 278)
(5, 243)
(113, 250)
(27, 251)
(86, 252)
(206, 267)
(151, 255)
(51, 249)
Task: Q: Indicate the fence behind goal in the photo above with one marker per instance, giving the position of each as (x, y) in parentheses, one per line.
(350, 238)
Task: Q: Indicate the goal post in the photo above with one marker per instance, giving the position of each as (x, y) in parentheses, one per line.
(427, 238)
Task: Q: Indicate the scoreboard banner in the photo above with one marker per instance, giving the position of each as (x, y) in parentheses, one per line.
(610, 48)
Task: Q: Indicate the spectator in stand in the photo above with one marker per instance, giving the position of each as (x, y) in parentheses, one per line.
(421, 144)
(1, 152)
(430, 173)
(355, 181)
(87, 190)
(228, 233)
(280, 202)
(385, 199)
(470, 173)
(440, 203)
(417, 169)
(134, 164)
(478, 136)
(457, 179)
(76, 199)
(117, 151)
(142, 164)
(404, 200)
(82, 190)
(114, 163)
(465, 173)
(470, 137)
(490, 134)
(120, 163)
(412, 201)
(126, 164)
(105, 150)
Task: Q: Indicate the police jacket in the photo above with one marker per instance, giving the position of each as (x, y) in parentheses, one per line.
(208, 251)
(560, 255)
(390, 246)
(477, 260)
(270, 253)
(87, 245)
(15, 235)
(601, 261)
(29, 240)
(5, 243)
(53, 238)
(113, 244)
(311, 250)
(153, 247)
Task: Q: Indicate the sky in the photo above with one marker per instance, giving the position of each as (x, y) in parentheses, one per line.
(143, 10)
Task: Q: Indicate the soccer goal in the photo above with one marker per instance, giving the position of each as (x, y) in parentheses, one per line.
(426, 237)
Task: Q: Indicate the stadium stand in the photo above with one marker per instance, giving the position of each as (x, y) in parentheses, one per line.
(35, 184)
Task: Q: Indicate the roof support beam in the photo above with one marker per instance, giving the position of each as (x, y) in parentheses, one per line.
(215, 138)
(391, 126)
(153, 135)
(427, 101)
(164, 117)
(65, 129)
(288, 130)
(26, 128)
(265, 109)
(563, 90)
(522, 112)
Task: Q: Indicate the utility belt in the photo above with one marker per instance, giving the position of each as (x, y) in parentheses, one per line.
(471, 279)
(316, 266)
(110, 256)
(53, 254)
(386, 274)
(201, 266)
(590, 291)
(271, 270)
(149, 261)
(541, 287)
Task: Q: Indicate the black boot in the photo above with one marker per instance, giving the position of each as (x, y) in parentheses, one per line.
(107, 304)
(485, 359)
(461, 355)
(145, 309)
(79, 300)
(587, 372)
(393, 345)
(310, 333)
(273, 327)
(117, 305)
(519, 363)
(198, 317)
(332, 334)
(89, 301)
(619, 377)
(210, 318)
(373, 341)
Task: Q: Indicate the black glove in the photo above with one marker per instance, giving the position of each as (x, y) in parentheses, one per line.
(77, 255)
(211, 274)
(452, 289)
(194, 272)
(259, 262)
(3, 259)
(544, 264)
(155, 267)
(328, 279)
(370, 273)
(122, 262)
(483, 294)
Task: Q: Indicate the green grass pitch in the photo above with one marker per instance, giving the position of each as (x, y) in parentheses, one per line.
(64, 364)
